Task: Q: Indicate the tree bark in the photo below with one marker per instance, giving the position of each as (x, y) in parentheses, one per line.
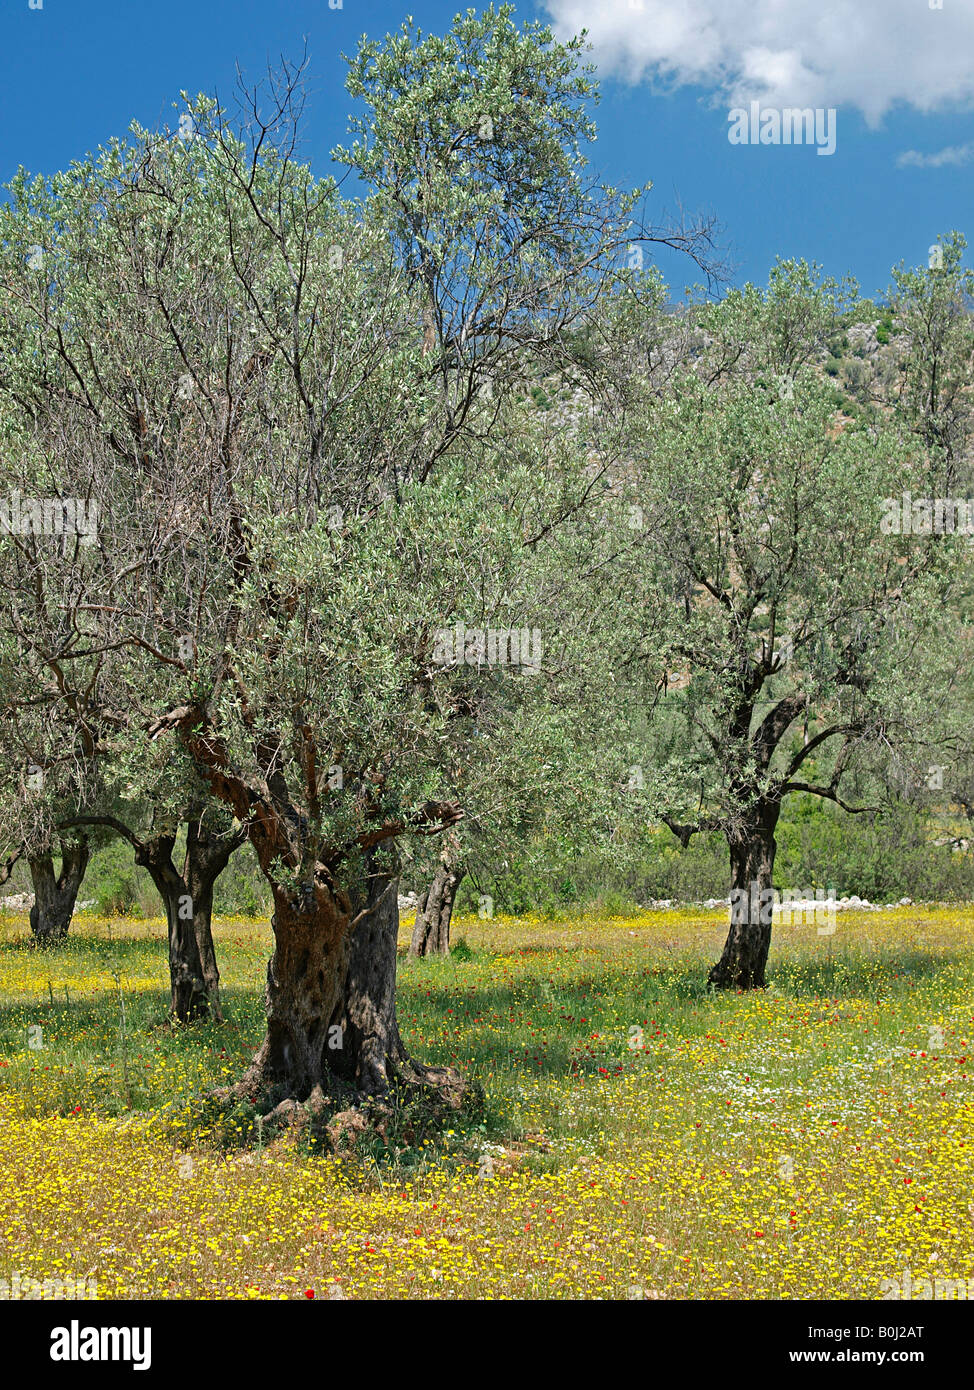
(332, 1033)
(431, 930)
(752, 846)
(188, 900)
(331, 981)
(305, 978)
(374, 1057)
(207, 855)
(201, 897)
(188, 999)
(56, 894)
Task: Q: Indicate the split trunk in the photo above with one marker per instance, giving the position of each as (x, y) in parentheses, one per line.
(431, 930)
(188, 899)
(55, 894)
(332, 1033)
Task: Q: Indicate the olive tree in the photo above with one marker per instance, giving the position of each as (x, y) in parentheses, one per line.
(802, 630)
(45, 774)
(284, 405)
(147, 797)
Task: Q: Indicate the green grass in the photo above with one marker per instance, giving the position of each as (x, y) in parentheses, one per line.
(805, 1141)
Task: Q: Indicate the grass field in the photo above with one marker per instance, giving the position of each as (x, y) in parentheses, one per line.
(643, 1138)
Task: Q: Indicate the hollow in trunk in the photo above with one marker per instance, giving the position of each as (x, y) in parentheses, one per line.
(332, 1032)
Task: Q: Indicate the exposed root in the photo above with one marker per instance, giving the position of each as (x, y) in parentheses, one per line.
(337, 1117)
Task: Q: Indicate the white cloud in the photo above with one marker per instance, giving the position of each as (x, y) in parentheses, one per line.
(868, 54)
(953, 154)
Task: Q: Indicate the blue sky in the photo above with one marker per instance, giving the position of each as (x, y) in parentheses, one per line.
(899, 73)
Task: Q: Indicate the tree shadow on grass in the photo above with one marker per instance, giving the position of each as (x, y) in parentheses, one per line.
(845, 976)
(531, 1024)
(93, 1025)
(75, 944)
(565, 1013)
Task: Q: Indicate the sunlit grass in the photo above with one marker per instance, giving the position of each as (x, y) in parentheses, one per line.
(644, 1138)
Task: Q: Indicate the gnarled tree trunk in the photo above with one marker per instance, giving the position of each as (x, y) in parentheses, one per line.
(374, 1057)
(752, 849)
(332, 1033)
(201, 898)
(56, 894)
(431, 930)
(188, 899)
(305, 979)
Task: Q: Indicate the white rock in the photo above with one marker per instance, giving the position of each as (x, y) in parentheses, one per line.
(17, 902)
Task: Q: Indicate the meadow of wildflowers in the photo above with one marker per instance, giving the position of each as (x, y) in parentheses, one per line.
(643, 1138)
